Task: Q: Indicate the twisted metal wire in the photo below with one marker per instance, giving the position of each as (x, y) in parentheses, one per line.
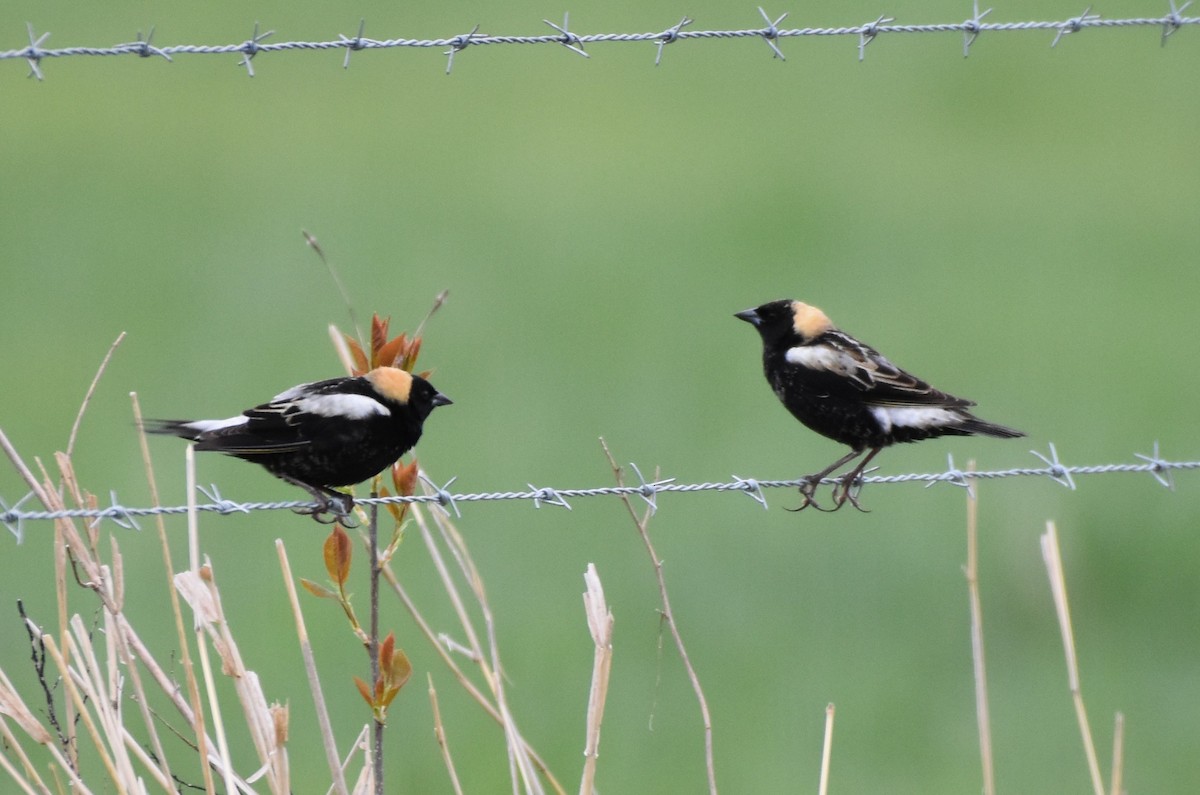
(970, 28)
(1162, 470)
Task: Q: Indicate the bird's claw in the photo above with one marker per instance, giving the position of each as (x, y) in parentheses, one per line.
(845, 490)
(808, 490)
(330, 509)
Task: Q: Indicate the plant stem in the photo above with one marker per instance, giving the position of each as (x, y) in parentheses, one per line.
(377, 725)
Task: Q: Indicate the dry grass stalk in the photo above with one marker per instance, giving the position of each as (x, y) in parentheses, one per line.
(600, 626)
(826, 751)
(1118, 765)
(1058, 588)
(642, 522)
(971, 571)
(439, 733)
(192, 709)
(522, 769)
(310, 668)
(267, 734)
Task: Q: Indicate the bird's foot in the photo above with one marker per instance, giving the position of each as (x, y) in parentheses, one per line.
(330, 507)
(847, 489)
(808, 490)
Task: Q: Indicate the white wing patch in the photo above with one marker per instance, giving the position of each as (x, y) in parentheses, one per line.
(818, 357)
(287, 395)
(890, 417)
(204, 426)
(353, 407)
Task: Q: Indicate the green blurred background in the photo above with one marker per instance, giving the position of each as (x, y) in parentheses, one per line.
(1019, 227)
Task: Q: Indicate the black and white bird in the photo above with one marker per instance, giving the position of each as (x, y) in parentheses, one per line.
(846, 390)
(324, 434)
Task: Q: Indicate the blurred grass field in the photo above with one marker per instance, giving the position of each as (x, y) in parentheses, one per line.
(1019, 227)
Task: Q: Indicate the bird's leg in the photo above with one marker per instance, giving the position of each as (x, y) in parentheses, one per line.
(845, 490)
(809, 484)
(337, 503)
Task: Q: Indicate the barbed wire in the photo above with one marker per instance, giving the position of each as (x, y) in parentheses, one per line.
(771, 33)
(1162, 470)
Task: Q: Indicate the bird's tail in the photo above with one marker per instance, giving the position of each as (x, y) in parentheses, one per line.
(974, 425)
(184, 429)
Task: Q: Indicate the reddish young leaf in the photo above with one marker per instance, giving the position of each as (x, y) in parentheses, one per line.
(410, 355)
(379, 330)
(361, 365)
(391, 353)
(385, 651)
(404, 477)
(337, 555)
(400, 670)
(364, 691)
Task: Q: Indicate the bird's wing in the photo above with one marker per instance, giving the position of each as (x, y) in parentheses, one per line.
(868, 373)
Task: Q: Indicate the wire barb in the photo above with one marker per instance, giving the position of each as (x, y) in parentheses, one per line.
(250, 48)
(547, 496)
(33, 53)
(441, 494)
(669, 36)
(145, 48)
(356, 43)
(1159, 468)
(648, 490)
(120, 515)
(12, 519)
(752, 489)
(770, 34)
(868, 33)
(1057, 472)
(569, 39)
(1174, 20)
(458, 44)
(972, 28)
(1075, 24)
(954, 476)
(222, 505)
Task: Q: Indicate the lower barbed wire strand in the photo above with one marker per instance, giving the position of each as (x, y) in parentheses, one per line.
(1159, 468)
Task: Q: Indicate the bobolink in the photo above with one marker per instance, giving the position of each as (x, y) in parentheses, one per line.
(324, 434)
(845, 390)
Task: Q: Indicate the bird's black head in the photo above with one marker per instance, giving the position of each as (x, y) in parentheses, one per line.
(423, 398)
(405, 389)
(786, 322)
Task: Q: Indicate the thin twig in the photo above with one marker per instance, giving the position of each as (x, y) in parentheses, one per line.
(87, 398)
(1058, 588)
(377, 722)
(982, 713)
(337, 280)
(669, 617)
(310, 668)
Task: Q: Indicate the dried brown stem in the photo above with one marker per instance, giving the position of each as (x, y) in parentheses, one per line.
(641, 522)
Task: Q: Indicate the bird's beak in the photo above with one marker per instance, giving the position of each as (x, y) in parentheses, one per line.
(750, 316)
(441, 400)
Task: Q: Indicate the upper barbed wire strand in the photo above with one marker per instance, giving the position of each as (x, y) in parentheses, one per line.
(35, 51)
